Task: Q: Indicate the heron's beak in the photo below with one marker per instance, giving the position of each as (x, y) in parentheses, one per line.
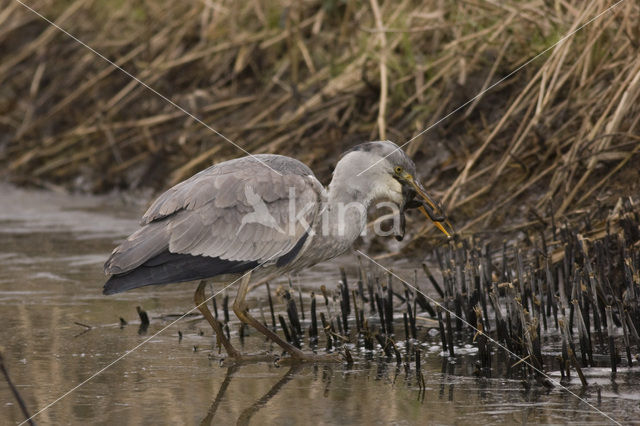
(428, 206)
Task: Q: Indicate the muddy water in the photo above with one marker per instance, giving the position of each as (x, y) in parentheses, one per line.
(51, 252)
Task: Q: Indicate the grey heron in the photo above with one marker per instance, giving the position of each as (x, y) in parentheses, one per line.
(260, 217)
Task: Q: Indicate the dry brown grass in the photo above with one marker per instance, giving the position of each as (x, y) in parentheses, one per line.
(311, 78)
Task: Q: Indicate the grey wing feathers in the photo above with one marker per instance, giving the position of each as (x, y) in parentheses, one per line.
(141, 246)
(212, 183)
(245, 228)
(237, 210)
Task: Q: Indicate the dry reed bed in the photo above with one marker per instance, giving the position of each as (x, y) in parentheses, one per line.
(312, 78)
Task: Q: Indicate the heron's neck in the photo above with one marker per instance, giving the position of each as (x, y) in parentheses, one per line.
(350, 189)
(345, 212)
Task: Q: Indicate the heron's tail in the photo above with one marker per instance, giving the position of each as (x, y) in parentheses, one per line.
(144, 244)
(169, 267)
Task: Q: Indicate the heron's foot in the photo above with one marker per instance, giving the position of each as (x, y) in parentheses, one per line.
(310, 357)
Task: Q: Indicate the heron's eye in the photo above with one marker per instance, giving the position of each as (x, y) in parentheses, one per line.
(398, 170)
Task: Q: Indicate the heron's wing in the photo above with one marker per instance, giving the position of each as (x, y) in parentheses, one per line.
(219, 220)
(210, 215)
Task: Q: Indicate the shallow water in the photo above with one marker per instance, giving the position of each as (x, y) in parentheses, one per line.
(52, 248)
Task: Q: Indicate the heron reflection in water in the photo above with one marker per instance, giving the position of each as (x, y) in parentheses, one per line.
(247, 413)
(233, 221)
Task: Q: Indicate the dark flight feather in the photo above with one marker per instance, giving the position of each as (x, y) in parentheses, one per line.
(169, 267)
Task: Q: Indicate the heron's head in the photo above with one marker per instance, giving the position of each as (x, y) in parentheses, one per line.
(382, 170)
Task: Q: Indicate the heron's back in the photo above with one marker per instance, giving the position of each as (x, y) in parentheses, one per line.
(196, 230)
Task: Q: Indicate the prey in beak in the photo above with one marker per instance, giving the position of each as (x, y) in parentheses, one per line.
(415, 196)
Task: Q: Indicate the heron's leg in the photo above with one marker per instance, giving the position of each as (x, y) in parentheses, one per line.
(201, 304)
(240, 309)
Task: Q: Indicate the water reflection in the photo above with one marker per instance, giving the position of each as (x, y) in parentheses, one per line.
(248, 412)
(324, 379)
(246, 415)
(216, 401)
